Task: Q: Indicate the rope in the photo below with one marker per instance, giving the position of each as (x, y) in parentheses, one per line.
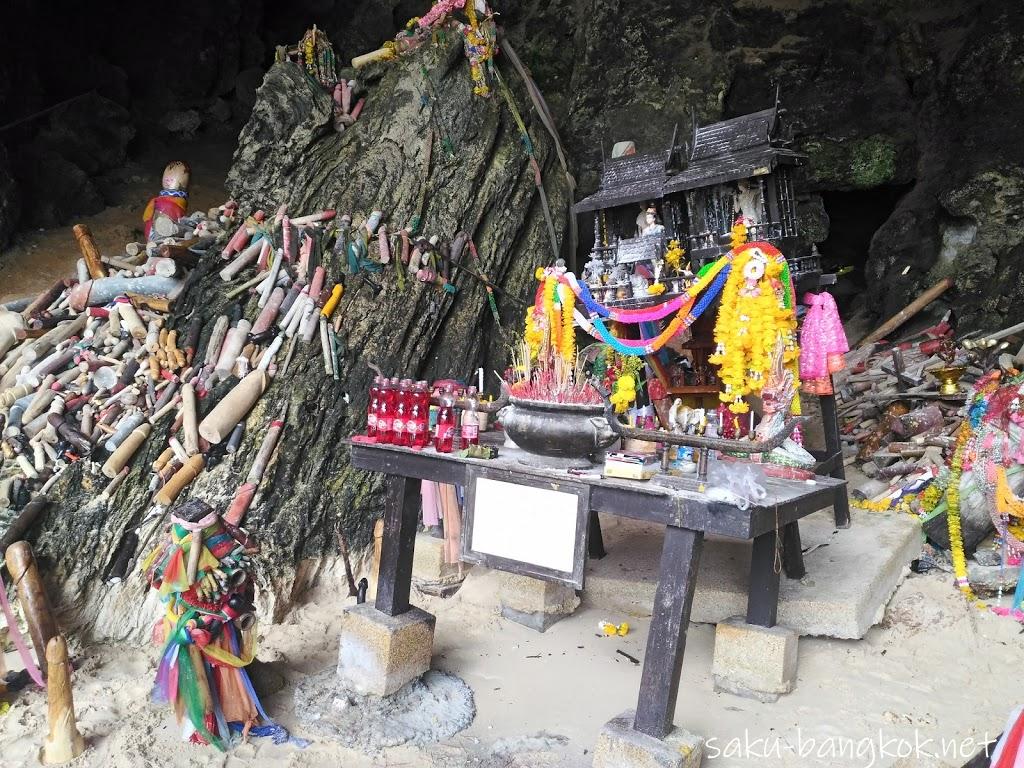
(528, 146)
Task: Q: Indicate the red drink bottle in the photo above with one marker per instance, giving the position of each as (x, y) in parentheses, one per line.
(403, 413)
(386, 411)
(470, 423)
(419, 417)
(445, 422)
(373, 406)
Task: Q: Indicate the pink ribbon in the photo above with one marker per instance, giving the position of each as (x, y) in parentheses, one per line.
(19, 640)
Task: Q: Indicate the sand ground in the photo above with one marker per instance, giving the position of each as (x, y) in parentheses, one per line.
(935, 672)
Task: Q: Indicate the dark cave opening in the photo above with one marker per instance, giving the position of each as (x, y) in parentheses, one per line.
(854, 217)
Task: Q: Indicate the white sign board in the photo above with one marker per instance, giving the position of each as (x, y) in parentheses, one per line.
(538, 529)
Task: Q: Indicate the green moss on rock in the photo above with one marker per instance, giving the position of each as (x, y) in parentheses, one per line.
(860, 164)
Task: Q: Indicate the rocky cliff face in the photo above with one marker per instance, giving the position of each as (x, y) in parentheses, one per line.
(917, 105)
(478, 179)
(923, 100)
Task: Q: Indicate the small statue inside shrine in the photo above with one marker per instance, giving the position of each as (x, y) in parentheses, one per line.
(172, 202)
(748, 202)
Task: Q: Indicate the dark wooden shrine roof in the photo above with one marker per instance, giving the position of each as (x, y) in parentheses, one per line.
(739, 148)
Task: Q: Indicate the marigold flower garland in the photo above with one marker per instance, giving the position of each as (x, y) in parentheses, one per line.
(753, 314)
(674, 255)
(956, 538)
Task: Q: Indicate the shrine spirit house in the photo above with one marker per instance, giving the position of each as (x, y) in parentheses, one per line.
(696, 191)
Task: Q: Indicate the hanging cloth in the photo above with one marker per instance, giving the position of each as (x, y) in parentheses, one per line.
(822, 343)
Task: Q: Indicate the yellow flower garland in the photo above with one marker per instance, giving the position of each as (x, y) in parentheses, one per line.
(748, 326)
(568, 340)
(956, 538)
(739, 234)
(674, 255)
(534, 334)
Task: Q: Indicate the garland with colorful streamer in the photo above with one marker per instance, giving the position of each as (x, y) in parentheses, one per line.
(753, 314)
(599, 331)
(647, 314)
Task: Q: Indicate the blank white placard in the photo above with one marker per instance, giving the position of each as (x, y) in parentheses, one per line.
(526, 524)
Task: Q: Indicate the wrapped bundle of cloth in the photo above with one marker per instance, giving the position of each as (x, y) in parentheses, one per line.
(201, 570)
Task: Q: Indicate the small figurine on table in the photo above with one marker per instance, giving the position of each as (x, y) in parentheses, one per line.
(172, 202)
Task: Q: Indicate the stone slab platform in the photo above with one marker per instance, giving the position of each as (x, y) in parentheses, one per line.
(851, 573)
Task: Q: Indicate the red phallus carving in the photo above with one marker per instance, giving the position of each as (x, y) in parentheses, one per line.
(346, 96)
(405, 246)
(385, 246)
(305, 250)
(358, 108)
(286, 237)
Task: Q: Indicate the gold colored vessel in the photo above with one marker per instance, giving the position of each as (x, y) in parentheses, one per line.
(949, 378)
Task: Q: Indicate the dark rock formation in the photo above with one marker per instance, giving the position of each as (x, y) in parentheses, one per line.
(918, 100)
(914, 104)
(10, 200)
(478, 180)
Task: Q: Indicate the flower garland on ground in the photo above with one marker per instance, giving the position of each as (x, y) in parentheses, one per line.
(753, 314)
(956, 539)
(979, 450)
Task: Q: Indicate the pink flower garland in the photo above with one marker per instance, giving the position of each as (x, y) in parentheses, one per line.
(440, 10)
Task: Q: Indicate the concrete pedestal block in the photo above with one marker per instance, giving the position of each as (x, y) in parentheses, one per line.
(535, 603)
(378, 654)
(428, 563)
(620, 746)
(752, 661)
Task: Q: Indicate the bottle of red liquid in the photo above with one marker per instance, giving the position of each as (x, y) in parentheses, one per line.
(419, 417)
(386, 411)
(445, 436)
(470, 432)
(373, 406)
(403, 413)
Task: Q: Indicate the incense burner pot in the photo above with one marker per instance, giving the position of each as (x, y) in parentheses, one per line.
(566, 431)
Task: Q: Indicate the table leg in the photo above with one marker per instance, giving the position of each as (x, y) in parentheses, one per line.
(763, 595)
(834, 450)
(595, 542)
(401, 509)
(792, 551)
(663, 661)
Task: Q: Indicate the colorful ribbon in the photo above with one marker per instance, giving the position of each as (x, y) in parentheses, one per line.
(598, 330)
(19, 640)
(647, 314)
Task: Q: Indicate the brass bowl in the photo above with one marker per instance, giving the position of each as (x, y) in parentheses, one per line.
(949, 378)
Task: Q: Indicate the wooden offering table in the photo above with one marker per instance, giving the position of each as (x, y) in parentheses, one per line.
(677, 503)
